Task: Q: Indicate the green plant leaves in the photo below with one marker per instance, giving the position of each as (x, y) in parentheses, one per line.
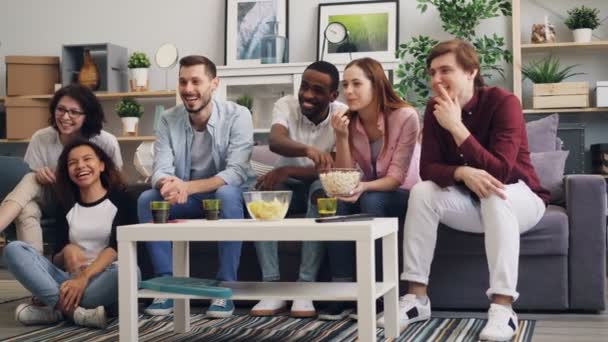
(138, 60)
(583, 17)
(129, 107)
(548, 70)
(459, 18)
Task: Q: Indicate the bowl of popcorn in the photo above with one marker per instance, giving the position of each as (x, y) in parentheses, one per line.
(267, 205)
(339, 182)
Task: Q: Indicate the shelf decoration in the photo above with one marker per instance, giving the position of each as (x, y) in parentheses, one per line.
(543, 33)
(138, 70)
(89, 73)
(582, 21)
(129, 111)
(549, 91)
(247, 23)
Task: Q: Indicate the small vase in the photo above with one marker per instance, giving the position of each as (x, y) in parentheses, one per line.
(129, 126)
(89, 73)
(274, 48)
(139, 79)
(582, 35)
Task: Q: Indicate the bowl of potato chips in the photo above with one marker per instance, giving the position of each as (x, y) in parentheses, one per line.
(267, 205)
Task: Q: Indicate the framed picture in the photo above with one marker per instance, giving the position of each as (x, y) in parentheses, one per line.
(247, 22)
(373, 30)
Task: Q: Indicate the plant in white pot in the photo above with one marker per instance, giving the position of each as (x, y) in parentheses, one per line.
(129, 111)
(138, 67)
(582, 21)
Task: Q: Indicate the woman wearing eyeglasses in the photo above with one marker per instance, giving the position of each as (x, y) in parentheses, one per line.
(75, 112)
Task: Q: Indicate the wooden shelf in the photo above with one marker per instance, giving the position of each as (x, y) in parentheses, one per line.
(109, 96)
(138, 138)
(567, 110)
(564, 45)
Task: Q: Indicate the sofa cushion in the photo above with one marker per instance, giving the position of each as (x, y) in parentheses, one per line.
(549, 167)
(548, 237)
(542, 134)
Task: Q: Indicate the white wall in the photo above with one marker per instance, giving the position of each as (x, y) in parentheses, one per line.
(37, 27)
(30, 27)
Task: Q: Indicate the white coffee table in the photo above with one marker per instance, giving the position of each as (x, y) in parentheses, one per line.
(365, 291)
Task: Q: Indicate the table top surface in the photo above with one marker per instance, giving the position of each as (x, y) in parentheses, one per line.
(252, 230)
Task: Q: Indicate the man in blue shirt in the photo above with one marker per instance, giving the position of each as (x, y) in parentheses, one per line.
(202, 150)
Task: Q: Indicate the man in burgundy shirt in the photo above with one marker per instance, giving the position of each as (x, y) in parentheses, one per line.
(477, 177)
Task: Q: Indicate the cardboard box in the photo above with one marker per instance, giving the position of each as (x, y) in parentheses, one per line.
(601, 93)
(561, 95)
(25, 116)
(31, 75)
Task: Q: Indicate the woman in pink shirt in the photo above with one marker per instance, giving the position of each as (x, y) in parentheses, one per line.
(377, 135)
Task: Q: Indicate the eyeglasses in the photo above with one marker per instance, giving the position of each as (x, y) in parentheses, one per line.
(73, 113)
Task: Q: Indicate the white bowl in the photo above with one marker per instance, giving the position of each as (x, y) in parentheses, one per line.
(267, 205)
(339, 182)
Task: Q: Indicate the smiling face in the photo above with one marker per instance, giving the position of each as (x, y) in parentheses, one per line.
(357, 89)
(69, 116)
(84, 166)
(447, 73)
(196, 87)
(315, 93)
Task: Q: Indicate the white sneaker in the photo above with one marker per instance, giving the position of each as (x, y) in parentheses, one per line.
(268, 307)
(410, 311)
(302, 308)
(501, 326)
(92, 318)
(30, 314)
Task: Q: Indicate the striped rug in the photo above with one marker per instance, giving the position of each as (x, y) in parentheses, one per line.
(279, 328)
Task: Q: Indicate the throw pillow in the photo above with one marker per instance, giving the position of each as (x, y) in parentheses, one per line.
(549, 167)
(542, 133)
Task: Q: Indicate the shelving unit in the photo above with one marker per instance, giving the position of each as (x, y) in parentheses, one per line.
(567, 110)
(564, 45)
(267, 83)
(108, 96)
(103, 96)
(519, 49)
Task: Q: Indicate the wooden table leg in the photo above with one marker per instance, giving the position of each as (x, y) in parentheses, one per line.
(127, 291)
(366, 288)
(181, 268)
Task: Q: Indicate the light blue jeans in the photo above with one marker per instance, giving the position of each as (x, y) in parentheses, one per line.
(312, 251)
(229, 251)
(43, 279)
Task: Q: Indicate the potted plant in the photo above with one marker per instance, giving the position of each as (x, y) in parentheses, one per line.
(582, 21)
(549, 91)
(138, 67)
(245, 101)
(460, 19)
(129, 111)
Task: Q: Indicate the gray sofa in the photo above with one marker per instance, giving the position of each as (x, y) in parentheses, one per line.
(562, 259)
(562, 263)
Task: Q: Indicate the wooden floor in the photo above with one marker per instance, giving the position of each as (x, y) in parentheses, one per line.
(549, 327)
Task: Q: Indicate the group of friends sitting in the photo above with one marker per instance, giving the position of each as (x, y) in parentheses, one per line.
(468, 168)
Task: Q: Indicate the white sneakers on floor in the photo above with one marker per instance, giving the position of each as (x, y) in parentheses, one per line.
(92, 318)
(268, 307)
(501, 326)
(30, 314)
(411, 310)
(300, 308)
(303, 308)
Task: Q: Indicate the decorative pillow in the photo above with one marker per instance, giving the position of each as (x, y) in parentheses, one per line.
(549, 167)
(542, 134)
